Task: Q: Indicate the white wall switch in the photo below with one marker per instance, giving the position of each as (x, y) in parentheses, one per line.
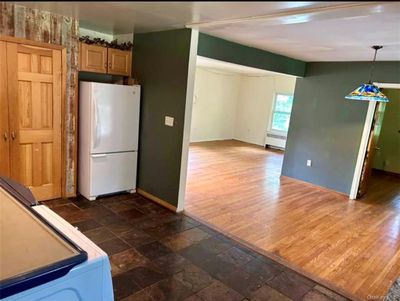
(308, 162)
(169, 121)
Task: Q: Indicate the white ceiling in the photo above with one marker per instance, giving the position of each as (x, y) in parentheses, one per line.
(310, 31)
(204, 62)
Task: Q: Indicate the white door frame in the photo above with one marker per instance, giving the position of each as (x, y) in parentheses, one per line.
(364, 141)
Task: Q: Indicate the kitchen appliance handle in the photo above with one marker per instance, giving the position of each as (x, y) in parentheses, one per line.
(96, 123)
(99, 156)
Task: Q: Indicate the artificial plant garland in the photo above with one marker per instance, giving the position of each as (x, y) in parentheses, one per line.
(101, 42)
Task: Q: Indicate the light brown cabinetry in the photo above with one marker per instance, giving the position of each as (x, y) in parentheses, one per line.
(30, 121)
(119, 62)
(105, 60)
(93, 58)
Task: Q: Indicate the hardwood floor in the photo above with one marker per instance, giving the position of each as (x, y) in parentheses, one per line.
(350, 246)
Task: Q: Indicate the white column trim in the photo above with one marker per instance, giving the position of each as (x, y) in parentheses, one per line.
(363, 148)
(188, 119)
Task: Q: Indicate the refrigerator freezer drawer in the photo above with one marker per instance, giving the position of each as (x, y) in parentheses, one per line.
(112, 172)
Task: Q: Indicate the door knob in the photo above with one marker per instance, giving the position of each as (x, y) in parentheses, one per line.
(13, 135)
(5, 136)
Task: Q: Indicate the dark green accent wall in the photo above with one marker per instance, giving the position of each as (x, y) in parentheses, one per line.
(160, 63)
(325, 127)
(223, 50)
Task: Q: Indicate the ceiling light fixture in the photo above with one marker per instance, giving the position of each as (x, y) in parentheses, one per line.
(369, 91)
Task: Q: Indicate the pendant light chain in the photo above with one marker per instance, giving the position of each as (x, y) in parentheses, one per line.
(373, 63)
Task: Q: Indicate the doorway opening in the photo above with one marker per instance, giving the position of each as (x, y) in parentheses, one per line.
(240, 120)
(380, 174)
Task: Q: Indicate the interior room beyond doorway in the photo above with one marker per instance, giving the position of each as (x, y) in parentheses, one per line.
(236, 187)
(240, 120)
(241, 103)
(382, 180)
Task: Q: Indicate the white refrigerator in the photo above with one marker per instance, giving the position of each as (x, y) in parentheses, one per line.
(108, 138)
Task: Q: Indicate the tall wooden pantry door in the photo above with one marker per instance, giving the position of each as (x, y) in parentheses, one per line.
(4, 130)
(34, 103)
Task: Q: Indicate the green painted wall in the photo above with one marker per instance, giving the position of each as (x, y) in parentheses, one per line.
(325, 127)
(388, 156)
(160, 63)
(223, 50)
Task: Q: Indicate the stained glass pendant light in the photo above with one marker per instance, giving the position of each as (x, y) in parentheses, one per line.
(369, 91)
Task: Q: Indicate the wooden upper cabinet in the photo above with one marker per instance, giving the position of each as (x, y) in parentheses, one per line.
(119, 62)
(93, 58)
(105, 60)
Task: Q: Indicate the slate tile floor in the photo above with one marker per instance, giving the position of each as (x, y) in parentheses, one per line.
(158, 255)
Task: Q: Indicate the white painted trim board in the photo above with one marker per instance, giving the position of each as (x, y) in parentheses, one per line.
(188, 119)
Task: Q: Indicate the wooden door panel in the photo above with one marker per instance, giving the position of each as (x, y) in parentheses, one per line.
(4, 128)
(46, 92)
(47, 163)
(25, 104)
(93, 58)
(119, 62)
(46, 66)
(35, 119)
(24, 60)
(25, 164)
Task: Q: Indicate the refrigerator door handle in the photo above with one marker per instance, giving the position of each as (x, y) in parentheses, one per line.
(99, 156)
(96, 123)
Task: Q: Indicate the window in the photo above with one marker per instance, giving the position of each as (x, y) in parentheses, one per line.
(281, 113)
